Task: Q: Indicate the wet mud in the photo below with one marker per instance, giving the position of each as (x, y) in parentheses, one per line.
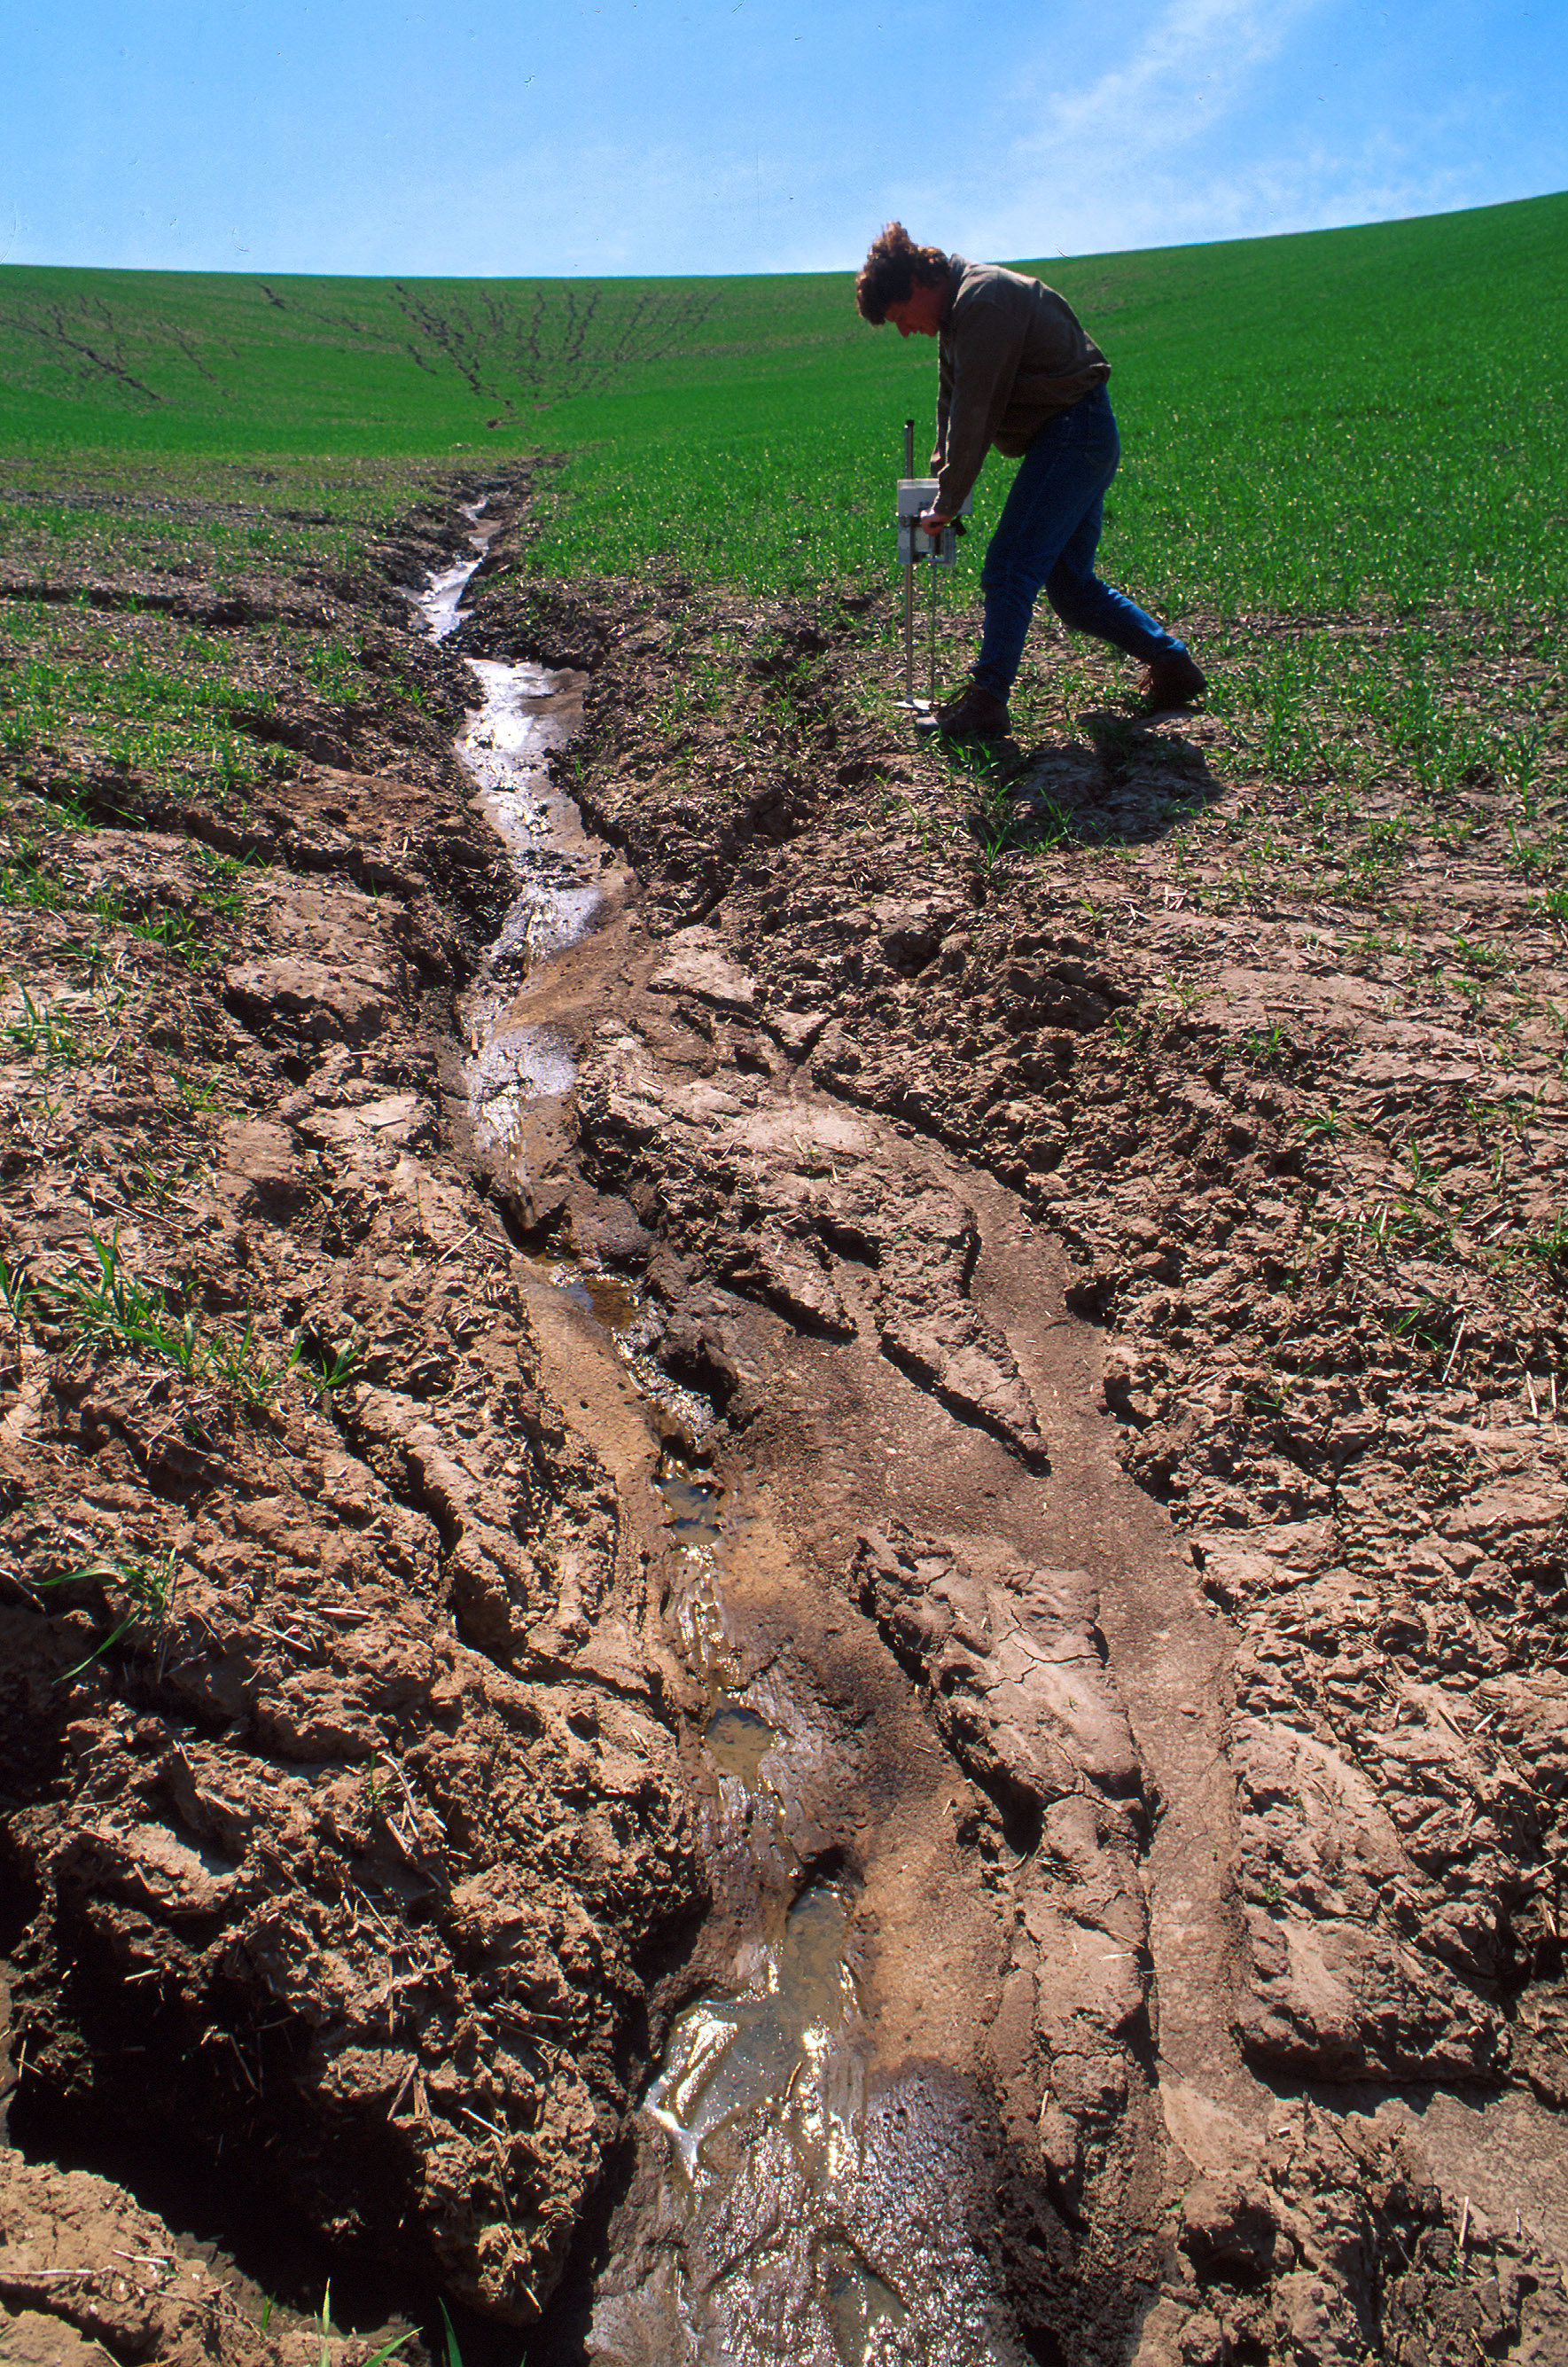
(751, 1762)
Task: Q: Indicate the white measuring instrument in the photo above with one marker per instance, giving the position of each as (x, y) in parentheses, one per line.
(917, 495)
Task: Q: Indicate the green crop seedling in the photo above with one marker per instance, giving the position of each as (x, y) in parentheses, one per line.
(42, 1030)
(324, 2329)
(103, 1302)
(678, 402)
(138, 1590)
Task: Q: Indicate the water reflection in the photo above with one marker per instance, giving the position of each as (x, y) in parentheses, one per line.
(522, 711)
(778, 2048)
(694, 1499)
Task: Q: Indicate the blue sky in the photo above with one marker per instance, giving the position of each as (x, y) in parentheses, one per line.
(622, 136)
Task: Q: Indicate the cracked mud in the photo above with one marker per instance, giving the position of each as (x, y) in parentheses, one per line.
(884, 1686)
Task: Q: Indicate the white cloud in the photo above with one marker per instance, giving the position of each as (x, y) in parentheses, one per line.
(1190, 71)
(1322, 187)
(1227, 118)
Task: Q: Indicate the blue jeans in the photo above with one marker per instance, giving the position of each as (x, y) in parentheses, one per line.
(1047, 535)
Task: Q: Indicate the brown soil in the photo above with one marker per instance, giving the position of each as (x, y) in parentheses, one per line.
(1126, 1323)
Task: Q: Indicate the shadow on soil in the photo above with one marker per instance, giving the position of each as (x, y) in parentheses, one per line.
(1124, 783)
(1067, 2312)
(242, 2213)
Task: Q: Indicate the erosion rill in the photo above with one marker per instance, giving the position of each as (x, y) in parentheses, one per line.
(668, 1782)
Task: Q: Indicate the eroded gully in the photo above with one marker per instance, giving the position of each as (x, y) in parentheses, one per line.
(951, 1701)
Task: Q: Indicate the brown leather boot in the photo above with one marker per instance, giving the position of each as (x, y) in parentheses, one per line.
(1172, 681)
(973, 714)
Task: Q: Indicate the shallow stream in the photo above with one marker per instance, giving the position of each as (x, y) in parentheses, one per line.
(787, 2206)
(525, 710)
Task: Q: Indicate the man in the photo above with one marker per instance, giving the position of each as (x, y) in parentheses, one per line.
(1017, 371)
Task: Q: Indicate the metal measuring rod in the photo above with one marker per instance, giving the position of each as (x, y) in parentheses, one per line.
(915, 494)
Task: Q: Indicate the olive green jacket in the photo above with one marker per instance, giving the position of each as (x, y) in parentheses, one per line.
(1010, 355)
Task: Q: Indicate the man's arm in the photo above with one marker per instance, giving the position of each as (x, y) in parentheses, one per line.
(943, 407)
(981, 349)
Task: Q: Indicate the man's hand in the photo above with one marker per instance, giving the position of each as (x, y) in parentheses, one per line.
(933, 521)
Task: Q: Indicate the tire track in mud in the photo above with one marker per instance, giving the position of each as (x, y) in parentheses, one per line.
(793, 2192)
(893, 1814)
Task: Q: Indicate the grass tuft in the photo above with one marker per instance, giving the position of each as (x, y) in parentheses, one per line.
(138, 1593)
(103, 1302)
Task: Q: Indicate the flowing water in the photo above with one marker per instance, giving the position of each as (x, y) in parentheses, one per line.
(791, 2206)
(525, 710)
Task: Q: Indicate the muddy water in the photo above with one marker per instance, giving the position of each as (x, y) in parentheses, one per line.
(738, 1740)
(441, 601)
(730, 2057)
(769, 2086)
(524, 711)
(791, 2201)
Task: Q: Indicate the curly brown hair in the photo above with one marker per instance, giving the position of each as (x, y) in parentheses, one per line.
(893, 269)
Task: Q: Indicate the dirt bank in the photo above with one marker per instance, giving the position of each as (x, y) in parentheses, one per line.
(1111, 1319)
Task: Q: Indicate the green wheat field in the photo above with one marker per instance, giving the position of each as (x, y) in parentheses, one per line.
(1366, 425)
(1345, 417)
